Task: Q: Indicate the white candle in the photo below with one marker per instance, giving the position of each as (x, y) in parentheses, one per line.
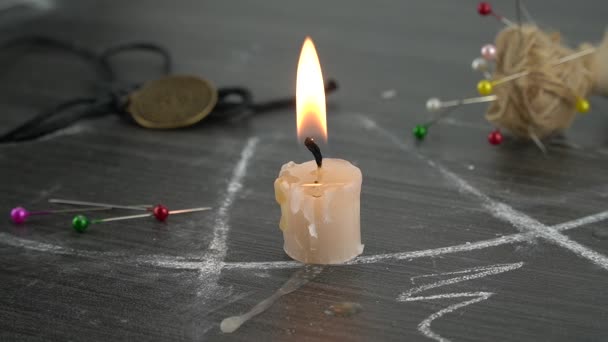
(320, 221)
(319, 199)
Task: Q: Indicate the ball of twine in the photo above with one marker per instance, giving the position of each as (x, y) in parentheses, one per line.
(600, 68)
(543, 102)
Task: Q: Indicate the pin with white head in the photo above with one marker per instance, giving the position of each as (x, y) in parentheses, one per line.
(480, 64)
(484, 63)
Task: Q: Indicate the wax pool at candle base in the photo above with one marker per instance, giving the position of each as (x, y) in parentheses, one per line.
(320, 222)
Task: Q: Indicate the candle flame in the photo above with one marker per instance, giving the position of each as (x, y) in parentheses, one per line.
(310, 95)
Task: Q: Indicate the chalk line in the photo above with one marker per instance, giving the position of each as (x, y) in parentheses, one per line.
(464, 275)
(522, 221)
(210, 268)
(164, 261)
(213, 260)
(371, 259)
(222, 227)
(434, 252)
(211, 263)
(582, 221)
(468, 274)
(499, 210)
(14, 241)
(196, 263)
(221, 231)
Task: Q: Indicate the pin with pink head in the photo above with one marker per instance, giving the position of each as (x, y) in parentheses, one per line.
(19, 214)
(488, 52)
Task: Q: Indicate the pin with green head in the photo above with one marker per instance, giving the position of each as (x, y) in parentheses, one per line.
(420, 131)
(80, 223)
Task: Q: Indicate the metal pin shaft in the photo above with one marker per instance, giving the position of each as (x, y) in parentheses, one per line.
(559, 61)
(172, 212)
(57, 211)
(107, 205)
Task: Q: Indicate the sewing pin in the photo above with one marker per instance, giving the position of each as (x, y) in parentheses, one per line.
(434, 105)
(96, 204)
(526, 13)
(486, 87)
(537, 141)
(488, 52)
(495, 137)
(80, 223)
(481, 64)
(485, 9)
(19, 214)
(558, 62)
(582, 105)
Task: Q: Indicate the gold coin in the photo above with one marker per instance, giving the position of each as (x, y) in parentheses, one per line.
(172, 102)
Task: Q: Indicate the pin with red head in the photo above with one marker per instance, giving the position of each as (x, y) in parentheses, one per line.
(80, 223)
(485, 9)
(495, 137)
(160, 212)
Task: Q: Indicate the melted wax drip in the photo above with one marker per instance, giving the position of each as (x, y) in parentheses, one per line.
(344, 309)
(297, 280)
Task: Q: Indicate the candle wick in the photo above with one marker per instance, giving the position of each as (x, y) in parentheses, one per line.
(318, 180)
(315, 150)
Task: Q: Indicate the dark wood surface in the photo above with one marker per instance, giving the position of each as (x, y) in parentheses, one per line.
(142, 280)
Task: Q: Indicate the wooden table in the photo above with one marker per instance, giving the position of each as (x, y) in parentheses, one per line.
(463, 240)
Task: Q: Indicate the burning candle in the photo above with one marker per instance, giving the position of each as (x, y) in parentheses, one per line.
(320, 198)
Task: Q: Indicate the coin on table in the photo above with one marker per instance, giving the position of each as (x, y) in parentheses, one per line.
(172, 102)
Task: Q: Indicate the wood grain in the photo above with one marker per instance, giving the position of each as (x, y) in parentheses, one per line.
(142, 280)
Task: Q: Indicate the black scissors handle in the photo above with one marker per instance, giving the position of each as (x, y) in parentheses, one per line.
(232, 100)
